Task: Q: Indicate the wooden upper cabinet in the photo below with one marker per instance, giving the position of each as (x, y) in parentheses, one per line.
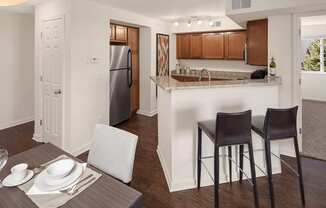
(183, 46)
(121, 33)
(213, 46)
(235, 44)
(196, 46)
(257, 46)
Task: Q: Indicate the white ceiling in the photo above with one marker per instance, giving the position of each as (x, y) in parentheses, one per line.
(27, 7)
(314, 20)
(23, 8)
(171, 9)
(162, 9)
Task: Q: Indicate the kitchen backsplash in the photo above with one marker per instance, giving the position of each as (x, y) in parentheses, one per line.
(219, 65)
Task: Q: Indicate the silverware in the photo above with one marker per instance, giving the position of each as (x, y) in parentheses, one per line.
(71, 189)
(38, 170)
(81, 186)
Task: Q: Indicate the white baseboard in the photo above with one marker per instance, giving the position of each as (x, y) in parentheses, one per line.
(81, 150)
(173, 187)
(314, 100)
(147, 113)
(38, 138)
(16, 123)
(163, 164)
(191, 183)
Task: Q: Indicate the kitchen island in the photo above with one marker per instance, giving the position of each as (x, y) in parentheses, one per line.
(183, 102)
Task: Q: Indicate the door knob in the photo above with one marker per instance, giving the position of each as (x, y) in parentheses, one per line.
(58, 92)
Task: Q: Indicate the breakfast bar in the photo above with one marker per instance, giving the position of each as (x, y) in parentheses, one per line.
(183, 102)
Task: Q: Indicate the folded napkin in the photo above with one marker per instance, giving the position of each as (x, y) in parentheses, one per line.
(56, 199)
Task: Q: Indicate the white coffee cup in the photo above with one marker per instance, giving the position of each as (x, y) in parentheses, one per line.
(19, 171)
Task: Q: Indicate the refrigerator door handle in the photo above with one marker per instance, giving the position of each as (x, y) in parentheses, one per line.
(129, 71)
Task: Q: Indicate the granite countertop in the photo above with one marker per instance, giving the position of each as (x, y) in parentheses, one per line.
(228, 79)
(215, 74)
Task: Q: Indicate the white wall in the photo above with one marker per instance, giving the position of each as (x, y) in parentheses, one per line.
(261, 9)
(16, 68)
(280, 46)
(88, 82)
(86, 90)
(145, 71)
(313, 30)
(312, 82)
(313, 86)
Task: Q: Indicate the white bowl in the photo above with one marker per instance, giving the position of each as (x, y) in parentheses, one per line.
(61, 168)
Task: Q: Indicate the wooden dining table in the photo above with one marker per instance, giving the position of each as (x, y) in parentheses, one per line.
(106, 192)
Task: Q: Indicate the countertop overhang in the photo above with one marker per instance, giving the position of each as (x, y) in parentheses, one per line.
(168, 83)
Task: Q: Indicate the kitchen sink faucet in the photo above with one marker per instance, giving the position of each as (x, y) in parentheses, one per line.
(201, 74)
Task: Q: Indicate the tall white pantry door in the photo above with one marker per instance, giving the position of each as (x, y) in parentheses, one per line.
(52, 65)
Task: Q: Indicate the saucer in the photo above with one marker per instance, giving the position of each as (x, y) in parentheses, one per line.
(9, 181)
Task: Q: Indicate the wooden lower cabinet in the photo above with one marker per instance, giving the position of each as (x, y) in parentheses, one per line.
(213, 46)
(235, 43)
(133, 43)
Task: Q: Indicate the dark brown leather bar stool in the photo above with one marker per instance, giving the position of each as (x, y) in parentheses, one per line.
(278, 124)
(227, 130)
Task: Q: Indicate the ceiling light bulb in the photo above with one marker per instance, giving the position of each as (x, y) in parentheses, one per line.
(11, 2)
(199, 22)
(176, 24)
(211, 23)
(189, 23)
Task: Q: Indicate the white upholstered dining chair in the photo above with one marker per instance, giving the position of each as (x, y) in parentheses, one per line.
(113, 151)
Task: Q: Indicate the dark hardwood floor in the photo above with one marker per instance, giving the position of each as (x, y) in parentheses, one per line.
(18, 139)
(149, 178)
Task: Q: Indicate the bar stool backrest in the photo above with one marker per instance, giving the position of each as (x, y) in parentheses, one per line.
(233, 128)
(281, 123)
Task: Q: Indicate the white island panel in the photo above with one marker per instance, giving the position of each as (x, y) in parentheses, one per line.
(178, 114)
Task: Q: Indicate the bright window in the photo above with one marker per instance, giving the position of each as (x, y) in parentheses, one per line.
(314, 55)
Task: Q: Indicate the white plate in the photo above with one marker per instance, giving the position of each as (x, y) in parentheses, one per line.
(45, 182)
(9, 181)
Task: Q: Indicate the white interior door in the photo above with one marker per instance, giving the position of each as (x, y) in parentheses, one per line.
(52, 64)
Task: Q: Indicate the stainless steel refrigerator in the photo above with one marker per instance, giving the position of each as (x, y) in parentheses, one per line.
(120, 84)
